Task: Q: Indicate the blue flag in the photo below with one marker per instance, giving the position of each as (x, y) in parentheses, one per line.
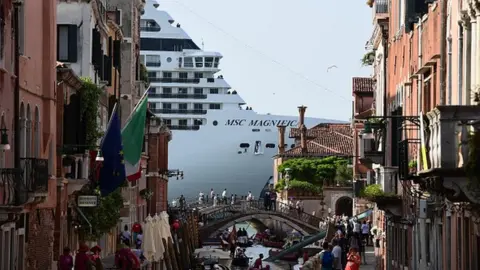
(112, 172)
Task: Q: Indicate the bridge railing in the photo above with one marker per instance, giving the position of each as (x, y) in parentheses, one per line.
(257, 206)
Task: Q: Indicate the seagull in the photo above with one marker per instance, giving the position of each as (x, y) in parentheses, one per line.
(330, 67)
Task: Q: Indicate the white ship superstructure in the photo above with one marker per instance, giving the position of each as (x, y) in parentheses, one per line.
(217, 142)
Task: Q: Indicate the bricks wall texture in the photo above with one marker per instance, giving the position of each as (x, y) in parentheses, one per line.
(158, 161)
(39, 250)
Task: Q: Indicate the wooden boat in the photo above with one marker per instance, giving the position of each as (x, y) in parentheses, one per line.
(273, 244)
(289, 257)
(241, 261)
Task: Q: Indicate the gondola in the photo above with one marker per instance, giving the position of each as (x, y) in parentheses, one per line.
(289, 257)
(241, 261)
(273, 244)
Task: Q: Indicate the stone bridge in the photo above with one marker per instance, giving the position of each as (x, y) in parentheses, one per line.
(217, 219)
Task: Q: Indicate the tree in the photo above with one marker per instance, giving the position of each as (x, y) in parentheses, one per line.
(317, 171)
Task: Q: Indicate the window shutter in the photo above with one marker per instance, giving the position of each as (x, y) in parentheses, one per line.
(410, 16)
(58, 40)
(100, 66)
(107, 69)
(116, 54)
(72, 43)
(110, 46)
(96, 49)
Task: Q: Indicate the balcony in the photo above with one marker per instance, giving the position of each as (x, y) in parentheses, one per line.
(173, 80)
(8, 179)
(153, 64)
(453, 150)
(76, 169)
(150, 28)
(177, 111)
(380, 10)
(181, 96)
(184, 127)
(35, 176)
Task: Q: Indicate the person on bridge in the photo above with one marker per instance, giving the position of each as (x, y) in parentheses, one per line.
(212, 194)
(215, 200)
(273, 200)
(224, 196)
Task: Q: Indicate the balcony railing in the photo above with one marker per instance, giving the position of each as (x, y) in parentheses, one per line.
(8, 181)
(153, 64)
(192, 96)
(184, 127)
(173, 80)
(35, 174)
(176, 111)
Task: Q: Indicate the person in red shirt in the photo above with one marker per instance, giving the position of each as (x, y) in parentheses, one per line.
(258, 264)
(125, 259)
(82, 261)
(65, 262)
(95, 253)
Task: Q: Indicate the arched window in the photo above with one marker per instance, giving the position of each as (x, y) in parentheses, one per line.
(23, 131)
(37, 134)
(28, 142)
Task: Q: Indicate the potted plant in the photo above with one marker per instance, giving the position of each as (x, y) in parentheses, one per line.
(146, 194)
(368, 58)
(370, 3)
(412, 166)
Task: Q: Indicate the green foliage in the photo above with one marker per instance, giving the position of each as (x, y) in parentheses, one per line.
(412, 164)
(300, 185)
(146, 194)
(104, 217)
(89, 110)
(374, 191)
(317, 171)
(144, 75)
(472, 167)
(344, 174)
(368, 59)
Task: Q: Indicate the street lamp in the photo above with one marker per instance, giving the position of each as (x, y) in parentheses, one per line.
(287, 177)
(4, 144)
(367, 132)
(99, 156)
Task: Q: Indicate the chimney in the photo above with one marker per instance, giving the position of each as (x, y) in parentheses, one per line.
(303, 138)
(303, 128)
(301, 112)
(281, 139)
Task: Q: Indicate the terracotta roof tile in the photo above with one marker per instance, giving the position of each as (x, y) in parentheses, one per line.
(362, 85)
(329, 140)
(314, 131)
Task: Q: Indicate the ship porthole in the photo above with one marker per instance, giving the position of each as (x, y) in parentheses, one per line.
(215, 123)
(169, 59)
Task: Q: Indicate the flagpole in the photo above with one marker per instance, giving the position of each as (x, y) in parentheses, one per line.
(136, 106)
(109, 122)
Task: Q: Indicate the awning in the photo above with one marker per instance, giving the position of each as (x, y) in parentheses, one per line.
(365, 214)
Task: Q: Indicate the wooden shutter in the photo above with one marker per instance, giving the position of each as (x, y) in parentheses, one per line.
(107, 69)
(116, 54)
(72, 43)
(96, 49)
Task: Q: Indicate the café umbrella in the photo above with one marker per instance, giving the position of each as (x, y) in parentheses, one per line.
(157, 239)
(148, 245)
(166, 233)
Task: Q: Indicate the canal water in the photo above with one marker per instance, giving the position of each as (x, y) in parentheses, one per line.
(256, 250)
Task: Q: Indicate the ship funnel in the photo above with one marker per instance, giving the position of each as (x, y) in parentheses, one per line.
(281, 139)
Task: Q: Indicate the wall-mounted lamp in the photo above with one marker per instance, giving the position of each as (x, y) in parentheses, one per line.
(99, 156)
(287, 177)
(367, 132)
(4, 144)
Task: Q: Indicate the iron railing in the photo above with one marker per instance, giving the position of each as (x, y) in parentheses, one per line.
(9, 179)
(381, 6)
(403, 169)
(35, 174)
(164, 95)
(178, 111)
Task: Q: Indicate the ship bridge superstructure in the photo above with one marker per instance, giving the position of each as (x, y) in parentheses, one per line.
(184, 82)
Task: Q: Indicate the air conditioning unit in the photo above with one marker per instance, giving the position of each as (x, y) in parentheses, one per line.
(126, 97)
(119, 17)
(127, 39)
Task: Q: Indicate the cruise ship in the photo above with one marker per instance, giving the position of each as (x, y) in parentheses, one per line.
(218, 141)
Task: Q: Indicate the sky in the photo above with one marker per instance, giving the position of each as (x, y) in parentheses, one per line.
(276, 52)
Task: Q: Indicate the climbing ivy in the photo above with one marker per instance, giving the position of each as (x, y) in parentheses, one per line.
(144, 75)
(102, 218)
(375, 191)
(472, 168)
(89, 109)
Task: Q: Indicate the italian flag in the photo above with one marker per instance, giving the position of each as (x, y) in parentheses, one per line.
(132, 138)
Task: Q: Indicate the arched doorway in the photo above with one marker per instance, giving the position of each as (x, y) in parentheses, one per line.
(344, 206)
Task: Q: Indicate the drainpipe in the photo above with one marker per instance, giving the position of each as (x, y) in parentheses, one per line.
(460, 64)
(16, 92)
(443, 52)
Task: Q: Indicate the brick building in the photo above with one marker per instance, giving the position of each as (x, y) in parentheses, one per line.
(427, 71)
(26, 170)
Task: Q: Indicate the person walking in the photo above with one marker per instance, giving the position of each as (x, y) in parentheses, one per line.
(273, 200)
(326, 257)
(353, 260)
(65, 262)
(224, 196)
(337, 255)
(365, 232)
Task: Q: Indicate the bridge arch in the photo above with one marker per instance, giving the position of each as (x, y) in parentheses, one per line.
(344, 206)
(248, 217)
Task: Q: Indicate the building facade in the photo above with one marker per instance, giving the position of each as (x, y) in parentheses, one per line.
(28, 89)
(426, 68)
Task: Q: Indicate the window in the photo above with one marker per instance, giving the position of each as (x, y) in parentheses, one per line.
(209, 62)
(187, 62)
(198, 75)
(183, 75)
(183, 106)
(198, 106)
(152, 74)
(167, 44)
(258, 147)
(167, 105)
(167, 90)
(67, 43)
(167, 122)
(183, 90)
(214, 106)
(198, 91)
(256, 130)
(197, 122)
(182, 122)
(198, 62)
(215, 64)
(213, 90)
(153, 61)
(270, 145)
(167, 75)
(149, 26)
(244, 145)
